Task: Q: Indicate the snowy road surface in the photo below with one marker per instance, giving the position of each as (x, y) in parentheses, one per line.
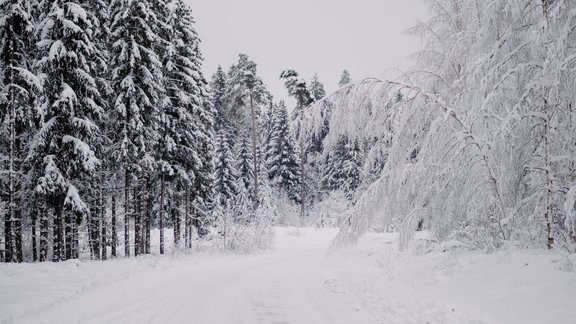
(284, 286)
(295, 283)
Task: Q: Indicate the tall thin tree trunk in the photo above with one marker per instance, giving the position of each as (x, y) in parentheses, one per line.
(162, 185)
(150, 206)
(302, 171)
(549, 183)
(68, 235)
(34, 218)
(127, 213)
(113, 225)
(75, 239)
(18, 236)
(8, 238)
(187, 228)
(43, 255)
(102, 221)
(137, 223)
(58, 246)
(176, 221)
(11, 246)
(255, 157)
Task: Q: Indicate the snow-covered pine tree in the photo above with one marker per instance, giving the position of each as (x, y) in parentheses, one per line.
(344, 78)
(243, 206)
(245, 162)
(63, 147)
(316, 88)
(297, 88)
(98, 14)
(218, 92)
(188, 112)
(19, 88)
(136, 77)
(225, 175)
(343, 166)
(246, 91)
(283, 163)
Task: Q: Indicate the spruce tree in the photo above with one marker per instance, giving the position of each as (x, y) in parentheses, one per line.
(245, 162)
(225, 175)
(343, 166)
(283, 163)
(344, 78)
(218, 93)
(316, 89)
(63, 148)
(19, 87)
(188, 123)
(136, 77)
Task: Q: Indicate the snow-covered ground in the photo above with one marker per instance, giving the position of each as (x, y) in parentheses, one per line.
(297, 282)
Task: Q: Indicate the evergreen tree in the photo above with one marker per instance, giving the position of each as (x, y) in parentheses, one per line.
(342, 168)
(245, 162)
(298, 89)
(316, 89)
(63, 148)
(246, 91)
(225, 176)
(218, 86)
(19, 87)
(136, 77)
(243, 207)
(283, 163)
(188, 139)
(344, 78)
(98, 14)
(351, 167)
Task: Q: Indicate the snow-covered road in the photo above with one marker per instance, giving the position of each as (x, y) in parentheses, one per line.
(287, 285)
(296, 282)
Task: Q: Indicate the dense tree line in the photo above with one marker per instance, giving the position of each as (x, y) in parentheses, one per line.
(256, 155)
(105, 121)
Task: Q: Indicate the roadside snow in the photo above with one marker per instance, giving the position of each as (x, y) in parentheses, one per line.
(296, 282)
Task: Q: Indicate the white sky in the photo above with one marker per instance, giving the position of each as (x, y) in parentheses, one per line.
(367, 37)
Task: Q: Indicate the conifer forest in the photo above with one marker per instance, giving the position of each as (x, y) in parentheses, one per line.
(443, 194)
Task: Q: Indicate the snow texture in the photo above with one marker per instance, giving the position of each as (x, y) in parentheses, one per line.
(296, 282)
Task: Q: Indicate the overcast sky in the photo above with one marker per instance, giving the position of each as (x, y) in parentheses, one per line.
(367, 37)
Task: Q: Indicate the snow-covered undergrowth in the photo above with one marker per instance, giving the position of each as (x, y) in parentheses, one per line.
(297, 282)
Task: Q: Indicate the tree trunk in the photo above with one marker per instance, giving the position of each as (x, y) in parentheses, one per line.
(43, 255)
(127, 213)
(302, 171)
(8, 237)
(94, 232)
(102, 221)
(549, 183)
(17, 226)
(255, 158)
(162, 185)
(58, 246)
(75, 238)
(137, 223)
(187, 229)
(10, 224)
(176, 221)
(68, 235)
(114, 232)
(150, 206)
(34, 217)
